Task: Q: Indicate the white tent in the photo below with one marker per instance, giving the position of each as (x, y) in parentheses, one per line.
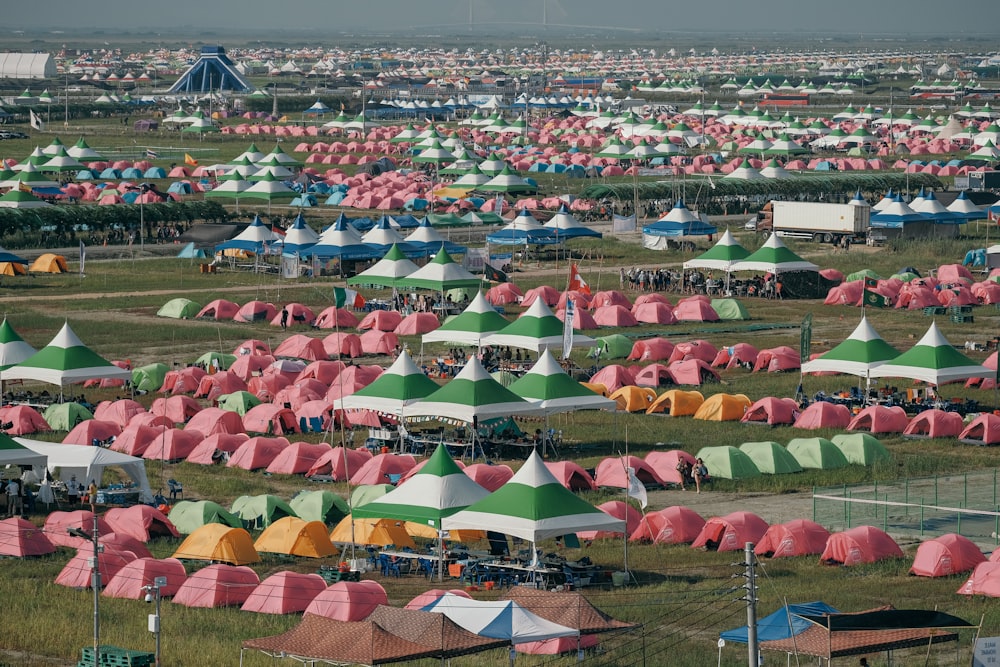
(88, 463)
(498, 619)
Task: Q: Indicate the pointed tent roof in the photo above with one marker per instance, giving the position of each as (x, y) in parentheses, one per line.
(933, 360)
(498, 619)
(387, 272)
(565, 224)
(400, 385)
(13, 349)
(722, 256)
(299, 236)
(478, 320)
(441, 274)
(437, 490)
(65, 360)
(533, 505)
(473, 394)
(775, 257)
(860, 352)
(536, 329)
(16, 198)
(553, 390)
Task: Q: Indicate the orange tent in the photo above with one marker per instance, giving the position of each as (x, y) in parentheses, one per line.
(634, 399)
(723, 407)
(677, 403)
(292, 536)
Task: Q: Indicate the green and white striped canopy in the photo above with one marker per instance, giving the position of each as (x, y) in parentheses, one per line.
(933, 360)
(65, 360)
(860, 352)
(472, 394)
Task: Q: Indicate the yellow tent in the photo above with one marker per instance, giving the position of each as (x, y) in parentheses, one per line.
(218, 542)
(420, 530)
(49, 263)
(723, 408)
(597, 388)
(634, 399)
(11, 269)
(377, 532)
(295, 537)
(677, 402)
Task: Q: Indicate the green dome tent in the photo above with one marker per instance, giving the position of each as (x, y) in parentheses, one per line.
(770, 457)
(817, 453)
(64, 416)
(179, 309)
(188, 516)
(730, 309)
(861, 448)
(149, 377)
(728, 463)
(615, 346)
(225, 360)
(239, 402)
(261, 511)
(325, 506)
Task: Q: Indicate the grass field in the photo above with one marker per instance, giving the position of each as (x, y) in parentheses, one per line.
(683, 597)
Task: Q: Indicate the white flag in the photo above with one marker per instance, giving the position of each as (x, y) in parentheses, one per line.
(83, 258)
(36, 122)
(568, 328)
(636, 489)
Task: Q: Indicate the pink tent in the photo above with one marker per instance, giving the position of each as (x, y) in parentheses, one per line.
(256, 453)
(77, 572)
(300, 346)
(935, 424)
(23, 419)
(149, 419)
(695, 311)
(581, 299)
(380, 320)
(654, 313)
(379, 342)
(119, 412)
(297, 458)
(378, 469)
(128, 582)
(332, 463)
(177, 409)
(845, 294)
(89, 430)
(692, 372)
(218, 586)
(651, 349)
(652, 297)
(297, 314)
(252, 347)
(300, 393)
(863, 544)
(348, 600)
(671, 525)
(916, 297)
(416, 324)
(582, 319)
(503, 294)
(270, 419)
(695, 349)
(549, 295)
(141, 522)
(354, 378)
(324, 371)
(946, 555)
(571, 475)
(285, 593)
(610, 298)
(218, 384)
(255, 311)
(798, 537)
(953, 273)
(430, 596)
(333, 318)
(269, 384)
(619, 510)
(772, 411)
(654, 375)
(777, 360)
(730, 532)
(611, 472)
(983, 430)
(880, 419)
(216, 447)
(135, 440)
(173, 445)
(613, 376)
(183, 381)
(614, 316)
(832, 275)
(210, 421)
(740, 354)
(343, 345)
(219, 309)
(20, 538)
(824, 415)
(490, 477)
(249, 365)
(985, 580)
(664, 464)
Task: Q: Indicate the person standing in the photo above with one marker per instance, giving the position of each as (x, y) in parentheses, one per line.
(13, 490)
(284, 318)
(700, 474)
(73, 491)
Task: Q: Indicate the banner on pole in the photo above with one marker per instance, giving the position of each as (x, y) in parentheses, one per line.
(805, 337)
(568, 328)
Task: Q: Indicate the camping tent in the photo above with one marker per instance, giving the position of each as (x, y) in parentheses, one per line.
(260, 511)
(723, 407)
(817, 453)
(671, 525)
(129, 582)
(217, 586)
(730, 532)
(19, 538)
(946, 555)
(348, 600)
(863, 544)
(770, 457)
(216, 542)
(728, 462)
(499, 619)
(325, 506)
(860, 352)
(188, 516)
(284, 593)
(861, 448)
(88, 463)
(798, 537)
(293, 536)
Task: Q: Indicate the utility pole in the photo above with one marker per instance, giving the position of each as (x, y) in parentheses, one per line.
(753, 650)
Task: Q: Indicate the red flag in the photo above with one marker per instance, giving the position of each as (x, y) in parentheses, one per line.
(576, 281)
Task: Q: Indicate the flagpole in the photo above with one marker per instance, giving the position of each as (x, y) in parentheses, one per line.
(628, 483)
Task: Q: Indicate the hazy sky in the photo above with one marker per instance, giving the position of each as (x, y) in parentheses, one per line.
(840, 16)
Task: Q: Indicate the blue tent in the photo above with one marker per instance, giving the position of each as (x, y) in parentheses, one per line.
(155, 172)
(672, 229)
(303, 201)
(190, 252)
(212, 71)
(132, 172)
(180, 187)
(85, 175)
(111, 174)
(335, 198)
(406, 221)
(782, 624)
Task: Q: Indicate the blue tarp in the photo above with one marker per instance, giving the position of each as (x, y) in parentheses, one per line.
(670, 228)
(782, 624)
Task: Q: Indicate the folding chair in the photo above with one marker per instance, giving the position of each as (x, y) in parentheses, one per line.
(176, 488)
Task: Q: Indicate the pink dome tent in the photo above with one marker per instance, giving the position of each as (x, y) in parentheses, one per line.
(799, 537)
(256, 453)
(983, 430)
(671, 525)
(571, 475)
(651, 349)
(985, 580)
(771, 411)
(348, 600)
(822, 414)
(378, 469)
(695, 349)
(77, 572)
(664, 464)
(20, 538)
(141, 522)
(216, 447)
(284, 593)
(935, 424)
(619, 510)
(946, 555)
(333, 463)
(740, 354)
(695, 372)
(210, 421)
(218, 586)
(490, 477)
(128, 582)
(880, 419)
(863, 544)
(611, 472)
(777, 360)
(730, 532)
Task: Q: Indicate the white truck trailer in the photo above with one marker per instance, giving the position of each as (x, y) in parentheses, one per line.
(820, 222)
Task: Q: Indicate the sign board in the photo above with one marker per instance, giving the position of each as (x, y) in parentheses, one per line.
(474, 260)
(987, 652)
(962, 182)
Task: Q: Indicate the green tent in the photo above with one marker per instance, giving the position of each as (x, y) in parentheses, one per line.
(861, 448)
(369, 492)
(861, 275)
(817, 453)
(770, 457)
(261, 511)
(472, 395)
(239, 402)
(615, 346)
(399, 386)
(478, 320)
(440, 274)
(932, 360)
(387, 272)
(149, 377)
(537, 329)
(728, 463)
(552, 389)
(65, 416)
(224, 360)
(65, 360)
(726, 252)
(730, 309)
(857, 355)
(13, 349)
(188, 516)
(774, 257)
(324, 506)
(179, 309)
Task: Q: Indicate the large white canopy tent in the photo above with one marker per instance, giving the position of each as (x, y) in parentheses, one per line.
(88, 463)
